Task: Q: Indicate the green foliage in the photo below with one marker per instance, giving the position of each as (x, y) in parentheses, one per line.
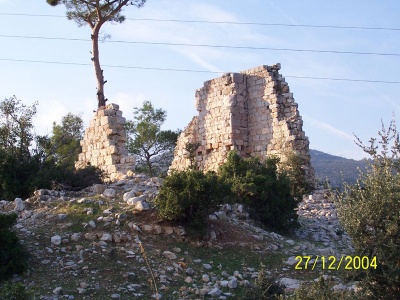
(16, 127)
(293, 166)
(369, 212)
(17, 164)
(188, 197)
(265, 192)
(322, 290)
(94, 12)
(191, 149)
(15, 291)
(266, 287)
(24, 168)
(61, 177)
(147, 141)
(13, 256)
(65, 140)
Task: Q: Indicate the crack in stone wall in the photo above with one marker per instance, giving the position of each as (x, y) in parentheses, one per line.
(103, 144)
(251, 112)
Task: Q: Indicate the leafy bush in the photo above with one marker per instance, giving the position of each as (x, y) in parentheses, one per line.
(322, 290)
(369, 212)
(24, 168)
(15, 175)
(15, 291)
(13, 256)
(63, 177)
(188, 197)
(266, 193)
(293, 166)
(265, 287)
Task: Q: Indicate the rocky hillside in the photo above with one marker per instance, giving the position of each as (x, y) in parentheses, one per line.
(106, 242)
(337, 169)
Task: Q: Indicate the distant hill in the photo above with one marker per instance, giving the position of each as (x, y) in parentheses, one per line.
(335, 168)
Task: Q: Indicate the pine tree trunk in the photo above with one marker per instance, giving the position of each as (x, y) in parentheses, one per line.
(101, 100)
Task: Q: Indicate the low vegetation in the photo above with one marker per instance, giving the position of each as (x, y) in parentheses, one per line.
(369, 212)
(13, 256)
(29, 161)
(188, 197)
(264, 191)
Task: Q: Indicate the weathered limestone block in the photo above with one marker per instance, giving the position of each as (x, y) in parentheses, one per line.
(252, 112)
(103, 144)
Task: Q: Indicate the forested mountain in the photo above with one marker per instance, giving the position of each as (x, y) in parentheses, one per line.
(337, 169)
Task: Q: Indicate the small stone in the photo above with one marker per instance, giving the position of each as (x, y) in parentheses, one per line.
(115, 296)
(141, 206)
(205, 278)
(224, 283)
(45, 262)
(291, 261)
(215, 292)
(19, 204)
(109, 193)
(75, 237)
(61, 217)
(169, 254)
(107, 211)
(106, 237)
(207, 266)
(189, 271)
(92, 224)
(122, 217)
(168, 229)
(129, 195)
(290, 242)
(58, 291)
(147, 228)
(232, 283)
(98, 188)
(56, 240)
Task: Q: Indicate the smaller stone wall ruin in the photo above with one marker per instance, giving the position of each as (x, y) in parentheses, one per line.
(251, 112)
(103, 144)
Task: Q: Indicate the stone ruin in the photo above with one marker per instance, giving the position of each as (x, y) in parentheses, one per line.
(103, 144)
(251, 112)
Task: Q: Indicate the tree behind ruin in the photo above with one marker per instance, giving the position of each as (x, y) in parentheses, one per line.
(96, 13)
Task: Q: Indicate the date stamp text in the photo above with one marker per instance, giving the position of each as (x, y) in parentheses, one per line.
(308, 262)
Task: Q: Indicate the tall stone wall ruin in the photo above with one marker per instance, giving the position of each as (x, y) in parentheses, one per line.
(103, 144)
(251, 112)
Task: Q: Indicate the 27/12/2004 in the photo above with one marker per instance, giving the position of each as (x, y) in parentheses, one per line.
(307, 262)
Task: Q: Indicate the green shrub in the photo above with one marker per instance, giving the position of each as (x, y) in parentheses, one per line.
(265, 192)
(265, 287)
(188, 197)
(60, 176)
(322, 290)
(369, 212)
(15, 175)
(15, 291)
(293, 166)
(13, 256)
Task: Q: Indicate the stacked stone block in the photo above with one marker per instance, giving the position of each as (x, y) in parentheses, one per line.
(103, 144)
(251, 112)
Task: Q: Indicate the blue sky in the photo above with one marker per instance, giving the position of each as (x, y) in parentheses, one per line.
(332, 110)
